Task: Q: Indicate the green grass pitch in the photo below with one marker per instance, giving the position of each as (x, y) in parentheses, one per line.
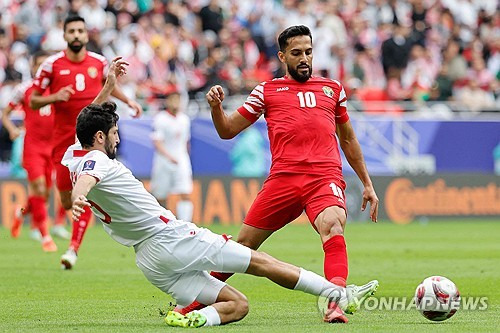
(106, 292)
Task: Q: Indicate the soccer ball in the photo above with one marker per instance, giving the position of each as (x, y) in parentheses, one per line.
(437, 298)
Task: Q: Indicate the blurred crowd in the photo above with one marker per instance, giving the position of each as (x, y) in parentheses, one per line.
(415, 50)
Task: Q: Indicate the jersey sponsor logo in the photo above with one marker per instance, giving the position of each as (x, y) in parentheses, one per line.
(282, 89)
(92, 71)
(64, 72)
(328, 91)
(88, 165)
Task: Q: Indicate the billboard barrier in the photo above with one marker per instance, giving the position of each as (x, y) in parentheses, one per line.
(226, 200)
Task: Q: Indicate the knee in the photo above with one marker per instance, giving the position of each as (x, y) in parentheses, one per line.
(39, 189)
(332, 223)
(333, 228)
(248, 243)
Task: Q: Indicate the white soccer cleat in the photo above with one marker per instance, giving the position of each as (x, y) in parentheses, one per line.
(68, 259)
(356, 295)
(338, 300)
(36, 235)
(60, 231)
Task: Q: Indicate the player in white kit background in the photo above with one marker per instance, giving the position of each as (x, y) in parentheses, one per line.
(174, 255)
(172, 173)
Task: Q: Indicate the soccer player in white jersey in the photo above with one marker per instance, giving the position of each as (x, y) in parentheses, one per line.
(174, 255)
(172, 172)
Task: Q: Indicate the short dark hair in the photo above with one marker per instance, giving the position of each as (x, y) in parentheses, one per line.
(293, 31)
(72, 18)
(94, 118)
(39, 54)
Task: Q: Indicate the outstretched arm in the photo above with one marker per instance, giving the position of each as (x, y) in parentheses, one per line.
(79, 195)
(227, 126)
(352, 150)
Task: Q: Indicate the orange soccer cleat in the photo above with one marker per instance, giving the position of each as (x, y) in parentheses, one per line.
(49, 246)
(17, 221)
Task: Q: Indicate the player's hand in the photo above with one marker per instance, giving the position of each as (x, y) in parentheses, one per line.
(117, 68)
(136, 107)
(79, 207)
(370, 196)
(215, 96)
(64, 94)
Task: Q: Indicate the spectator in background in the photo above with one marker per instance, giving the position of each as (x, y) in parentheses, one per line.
(475, 98)
(54, 40)
(94, 15)
(31, 16)
(204, 35)
(211, 17)
(396, 50)
(442, 89)
(457, 66)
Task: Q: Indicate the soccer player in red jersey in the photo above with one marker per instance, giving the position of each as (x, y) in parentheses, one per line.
(74, 77)
(303, 114)
(37, 159)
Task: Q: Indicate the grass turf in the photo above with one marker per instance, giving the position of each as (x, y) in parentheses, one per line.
(106, 292)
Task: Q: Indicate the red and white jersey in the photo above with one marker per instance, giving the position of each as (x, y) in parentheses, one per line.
(85, 77)
(129, 212)
(38, 123)
(301, 121)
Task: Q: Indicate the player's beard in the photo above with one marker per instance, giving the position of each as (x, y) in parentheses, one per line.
(110, 150)
(75, 48)
(298, 76)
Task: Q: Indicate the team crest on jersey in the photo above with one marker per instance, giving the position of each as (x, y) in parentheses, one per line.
(328, 91)
(88, 165)
(92, 72)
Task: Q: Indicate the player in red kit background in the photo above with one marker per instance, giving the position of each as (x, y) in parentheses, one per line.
(303, 114)
(37, 159)
(74, 77)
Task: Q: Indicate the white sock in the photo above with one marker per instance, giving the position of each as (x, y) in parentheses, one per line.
(312, 283)
(213, 318)
(46, 239)
(185, 210)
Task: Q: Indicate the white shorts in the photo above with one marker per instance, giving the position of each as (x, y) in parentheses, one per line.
(176, 260)
(167, 178)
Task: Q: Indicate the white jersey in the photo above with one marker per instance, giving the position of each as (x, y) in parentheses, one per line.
(130, 214)
(174, 133)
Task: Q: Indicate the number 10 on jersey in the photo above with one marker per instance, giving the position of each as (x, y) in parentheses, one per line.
(307, 99)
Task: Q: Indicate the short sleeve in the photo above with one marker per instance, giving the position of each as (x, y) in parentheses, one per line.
(43, 76)
(105, 67)
(254, 105)
(95, 165)
(158, 124)
(341, 116)
(17, 96)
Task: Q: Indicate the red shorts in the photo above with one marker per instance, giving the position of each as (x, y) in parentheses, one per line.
(285, 196)
(38, 164)
(63, 179)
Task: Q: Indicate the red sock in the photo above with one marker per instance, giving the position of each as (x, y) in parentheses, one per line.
(60, 216)
(79, 228)
(221, 276)
(39, 213)
(336, 259)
